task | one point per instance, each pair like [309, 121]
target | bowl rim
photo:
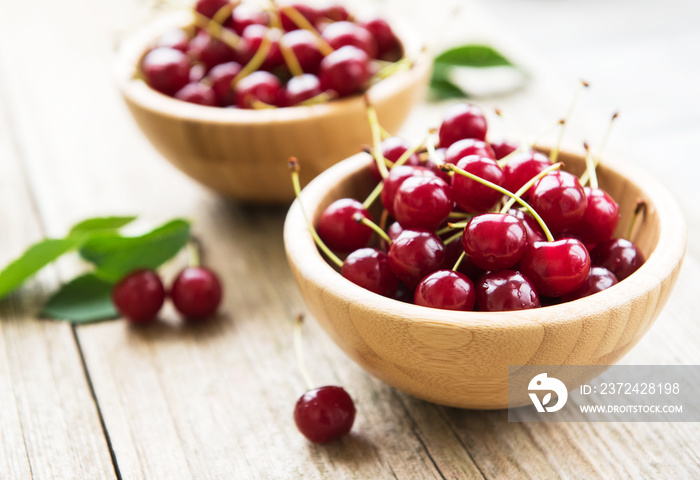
[304, 256]
[132, 48]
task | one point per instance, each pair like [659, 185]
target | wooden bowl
[243, 153]
[461, 359]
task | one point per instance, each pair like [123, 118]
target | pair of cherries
[244, 56]
[196, 293]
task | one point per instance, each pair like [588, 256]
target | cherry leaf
[100, 224]
[84, 299]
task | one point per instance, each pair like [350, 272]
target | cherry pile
[243, 56]
[468, 224]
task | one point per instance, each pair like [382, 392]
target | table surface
[214, 400]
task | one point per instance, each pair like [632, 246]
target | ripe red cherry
[422, 203]
[336, 13]
[139, 296]
[196, 292]
[324, 414]
[532, 228]
[369, 268]
[560, 200]
[494, 241]
[166, 70]
[415, 254]
[396, 177]
[341, 34]
[392, 149]
[301, 88]
[177, 39]
[618, 255]
[246, 14]
[221, 77]
[209, 51]
[309, 13]
[556, 268]
[462, 121]
[447, 290]
[345, 71]
[304, 46]
[384, 36]
[337, 228]
[505, 290]
[503, 148]
[598, 279]
[600, 218]
[521, 168]
[252, 38]
[208, 8]
[197, 93]
[470, 195]
[468, 146]
[259, 86]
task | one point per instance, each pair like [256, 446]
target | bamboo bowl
[461, 359]
[243, 154]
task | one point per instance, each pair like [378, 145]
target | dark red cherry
[466, 266]
[556, 268]
[220, 78]
[447, 290]
[618, 255]
[393, 232]
[177, 39]
[521, 168]
[336, 13]
[208, 8]
[337, 228]
[468, 146]
[415, 254]
[470, 195]
[384, 36]
[392, 149]
[505, 290]
[598, 279]
[369, 268]
[341, 34]
[532, 228]
[197, 93]
[196, 293]
[301, 88]
[503, 148]
[252, 38]
[600, 219]
[396, 177]
[462, 121]
[304, 46]
[209, 51]
[559, 199]
[259, 86]
[309, 13]
[422, 203]
[166, 70]
[494, 241]
[345, 71]
[246, 14]
[139, 296]
[324, 414]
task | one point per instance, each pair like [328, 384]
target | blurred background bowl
[243, 154]
[461, 359]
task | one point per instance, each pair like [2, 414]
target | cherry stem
[596, 159]
[217, 31]
[359, 218]
[639, 209]
[451, 226]
[299, 351]
[391, 68]
[257, 60]
[385, 133]
[545, 132]
[223, 13]
[513, 124]
[459, 261]
[554, 154]
[504, 161]
[300, 21]
[290, 59]
[294, 168]
[498, 188]
[323, 97]
[521, 191]
[590, 169]
[373, 195]
[453, 237]
[376, 139]
[194, 249]
[458, 215]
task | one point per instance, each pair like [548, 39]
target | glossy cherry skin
[259, 86]
[208, 8]
[196, 293]
[600, 219]
[369, 268]
[462, 121]
[304, 46]
[396, 177]
[468, 146]
[246, 14]
[340, 34]
[385, 38]
[139, 296]
[392, 149]
[560, 200]
[415, 254]
[446, 290]
[422, 203]
[209, 51]
[470, 195]
[598, 279]
[220, 78]
[505, 290]
[494, 241]
[503, 148]
[532, 228]
[301, 88]
[308, 12]
[197, 93]
[252, 38]
[521, 168]
[556, 268]
[618, 255]
[345, 71]
[166, 70]
[337, 228]
[324, 414]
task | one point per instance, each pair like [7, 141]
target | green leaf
[473, 55]
[114, 256]
[82, 300]
[99, 224]
[34, 259]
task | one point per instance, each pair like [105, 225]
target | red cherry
[209, 51]
[196, 292]
[324, 414]
[505, 290]
[345, 71]
[208, 8]
[197, 93]
[468, 146]
[258, 86]
[252, 38]
[422, 203]
[415, 254]
[166, 70]
[600, 218]
[139, 296]
[472, 196]
[556, 268]
[369, 268]
[384, 36]
[393, 181]
[301, 88]
[341, 34]
[309, 13]
[559, 199]
[462, 121]
[598, 279]
[503, 148]
[618, 255]
[447, 290]
[337, 228]
[177, 39]
[521, 168]
[494, 241]
[392, 149]
[246, 14]
[221, 77]
[532, 228]
[304, 46]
